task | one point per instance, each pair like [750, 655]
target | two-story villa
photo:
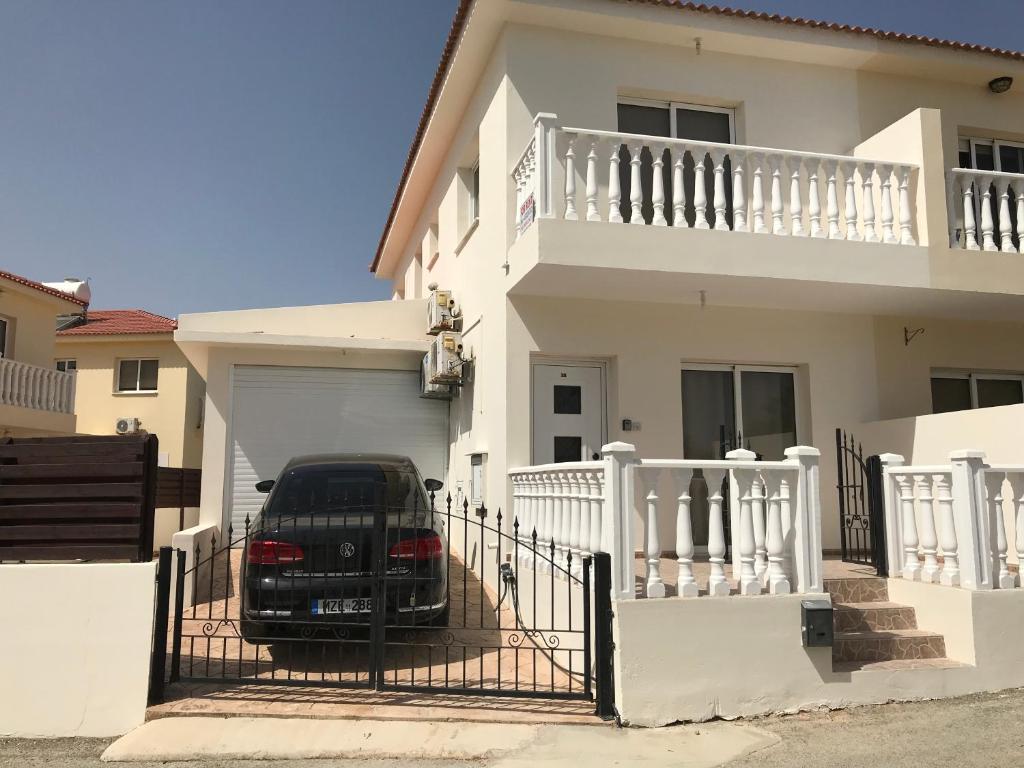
[664, 223]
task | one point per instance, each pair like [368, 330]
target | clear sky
[192, 155]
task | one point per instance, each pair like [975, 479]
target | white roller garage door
[279, 412]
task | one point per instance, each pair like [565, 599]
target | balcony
[600, 212]
[996, 200]
[36, 399]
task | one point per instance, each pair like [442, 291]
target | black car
[337, 533]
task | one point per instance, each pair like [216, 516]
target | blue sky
[192, 155]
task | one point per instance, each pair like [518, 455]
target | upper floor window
[964, 390]
[67, 365]
[991, 154]
[474, 193]
[137, 375]
[4, 331]
[680, 121]
[468, 202]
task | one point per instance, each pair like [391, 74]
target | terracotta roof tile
[460, 19]
[110, 322]
[40, 287]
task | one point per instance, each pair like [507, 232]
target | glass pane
[769, 413]
[568, 449]
[128, 376]
[701, 125]
[992, 392]
[147, 378]
[646, 121]
[950, 395]
[1011, 159]
[568, 399]
[985, 157]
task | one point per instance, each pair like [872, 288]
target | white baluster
[778, 583]
[684, 537]
[850, 212]
[950, 575]
[565, 538]
[813, 198]
[970, 223]
[595, 483]
[700, 194]
[1020, 215]
[832, 201]
[1005, 225]
[757, 507]
[911, 565]
[749, 584]
[757, 194]
[868, 185]
[658, 186]
[636, 192]
[572, 541]
[739, 194]
[678, 188]
[570, 179]
[614, 187]
[987, 220]
[544, 543]
[1017, 485]
[718, 585]
[718, 201]
[583, 538]
[929, 541]
[655, 587]
[994, 487]
[593, 214]
[885, 177]
[796, 210]
[778, 223]
[906, 212]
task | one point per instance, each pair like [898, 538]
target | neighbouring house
[681, 227]
[35, 399]
[132, 377]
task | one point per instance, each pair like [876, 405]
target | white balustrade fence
[566, 511]
[32, 386]
[742, 189]
[980, 206]
[948, 524]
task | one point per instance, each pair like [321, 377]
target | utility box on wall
[816, 618]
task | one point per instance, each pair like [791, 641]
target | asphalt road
[985, 730]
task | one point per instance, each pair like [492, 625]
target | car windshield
[306, 491]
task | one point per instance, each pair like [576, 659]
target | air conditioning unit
[128, 426]
[440, 312]
[428, 390]
[445, 359]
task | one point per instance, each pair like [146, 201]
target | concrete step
[871, 589]
[892, 665]
[898, 644]
[872, 617]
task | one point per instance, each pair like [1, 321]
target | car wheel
[441, 619]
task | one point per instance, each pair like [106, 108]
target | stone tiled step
[867, 590]
[872, 617]
[888, 645]
[896, 664]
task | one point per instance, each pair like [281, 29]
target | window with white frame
[67, 365]
[474, 192]
[986, 154]
[964, 390]
[137, 375]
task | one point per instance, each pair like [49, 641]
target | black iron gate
[477, 610]
[859, 485]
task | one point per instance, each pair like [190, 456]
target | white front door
[568, 412]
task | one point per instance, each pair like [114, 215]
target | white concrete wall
[166, 524]
[679, 659]
[75, 648]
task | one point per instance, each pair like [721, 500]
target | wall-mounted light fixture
[910, 334]
[1000, 84]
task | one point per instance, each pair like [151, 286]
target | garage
[278, 412]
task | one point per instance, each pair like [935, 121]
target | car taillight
[420, 548]
[274, 553]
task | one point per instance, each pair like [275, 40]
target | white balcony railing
[744, 189]
[988, 198]
[32, 386]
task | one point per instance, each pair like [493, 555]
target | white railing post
[687, 586]
[743, 481]
[807, 520]
[1017, 486]
[950, 575]
[893, 528]
[544, 126]
[617, 525]
[997, 522]
[654, 585]
[718, 585]
[972, 528]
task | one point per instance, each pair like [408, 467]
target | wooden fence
[77, 498]
[178, 488]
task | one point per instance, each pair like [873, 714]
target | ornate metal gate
[482, 611]
[859, 486]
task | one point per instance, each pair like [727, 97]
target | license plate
[339, 605]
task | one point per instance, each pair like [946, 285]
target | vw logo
[348, 549]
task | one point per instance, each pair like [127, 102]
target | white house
[851, 254]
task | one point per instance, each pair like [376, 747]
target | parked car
[340, 537]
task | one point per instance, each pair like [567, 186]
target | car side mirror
[433, 485]
[264, 486]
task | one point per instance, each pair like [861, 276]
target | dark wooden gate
[859, 485]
